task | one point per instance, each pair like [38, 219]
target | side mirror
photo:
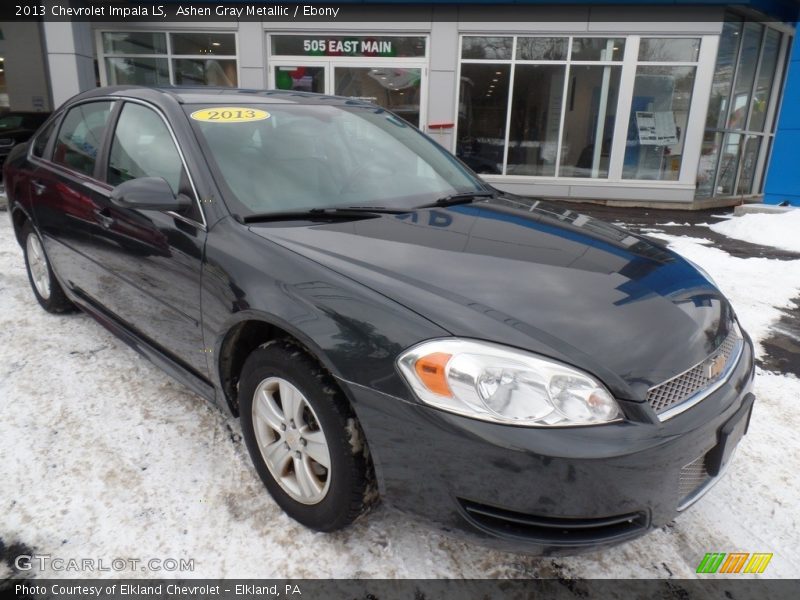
[148, 193]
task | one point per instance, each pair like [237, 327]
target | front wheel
[303, 438]
[45, 286]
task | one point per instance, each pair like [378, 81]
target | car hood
[534, 276]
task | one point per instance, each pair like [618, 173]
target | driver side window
[143, 147]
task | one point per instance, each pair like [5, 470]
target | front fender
[355, 332]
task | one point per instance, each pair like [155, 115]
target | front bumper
[546, 491]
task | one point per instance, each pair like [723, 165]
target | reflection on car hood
[534, 276]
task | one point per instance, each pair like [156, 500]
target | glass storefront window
[175, 58]
[482, 111]
[728, 164]
[487, 48]
[393, 88]
[658, 122]
[300, 78]
[203, 43]
[544, 137]
[766, 75]
[723, 74]
[745, 76]
[559, 117]
[747, 168]
[134, 42]
[589, 121]
[535, 119]
[542, 48]
[204, 71]
[137, 71]
[740, 120]
[707, 167]
[605, 49]
[669, 49]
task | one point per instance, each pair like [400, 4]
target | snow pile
[780, 230]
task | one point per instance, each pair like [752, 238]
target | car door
[65, 195]
[152, 260]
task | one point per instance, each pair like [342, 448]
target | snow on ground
[104, 456]
[781, 230]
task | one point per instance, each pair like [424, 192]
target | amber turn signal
[431, 370]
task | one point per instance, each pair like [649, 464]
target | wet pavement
[682, 222]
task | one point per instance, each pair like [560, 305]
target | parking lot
[105, 456]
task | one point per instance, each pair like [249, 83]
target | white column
[442, 84]
[70, 58]
[252, 54]
[695, 128]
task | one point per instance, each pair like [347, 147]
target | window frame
[169, 56]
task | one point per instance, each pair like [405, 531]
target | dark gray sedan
[386, 324]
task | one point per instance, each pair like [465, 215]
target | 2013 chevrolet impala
[385, 323]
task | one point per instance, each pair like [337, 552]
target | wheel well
[238, 344]
[18, 217]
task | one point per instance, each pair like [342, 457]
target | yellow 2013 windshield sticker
[229, 114]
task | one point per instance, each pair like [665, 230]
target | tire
[46, 288]
[322, 499]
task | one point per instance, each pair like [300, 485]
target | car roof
[218, 95]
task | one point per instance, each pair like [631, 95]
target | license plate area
[728, 437]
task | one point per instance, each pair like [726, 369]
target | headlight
[495, 383]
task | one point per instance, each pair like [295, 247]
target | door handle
[104, 217]
[38, 187]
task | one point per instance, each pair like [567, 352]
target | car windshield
[274, 158]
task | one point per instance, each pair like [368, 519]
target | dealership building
[659, 103]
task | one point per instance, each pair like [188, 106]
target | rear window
[80, 136]
[40, 143]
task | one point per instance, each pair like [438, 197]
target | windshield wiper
[460, 198]
[333, 212]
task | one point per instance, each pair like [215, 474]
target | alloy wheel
[291, 440]
[37, 263]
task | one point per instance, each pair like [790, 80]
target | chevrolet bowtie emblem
[713, 367]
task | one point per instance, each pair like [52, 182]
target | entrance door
[300, 76]
[394, 87]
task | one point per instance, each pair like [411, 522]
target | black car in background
[384, 322]
[18, 127]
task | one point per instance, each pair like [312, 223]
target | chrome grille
[693, 476]
[682, 387]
